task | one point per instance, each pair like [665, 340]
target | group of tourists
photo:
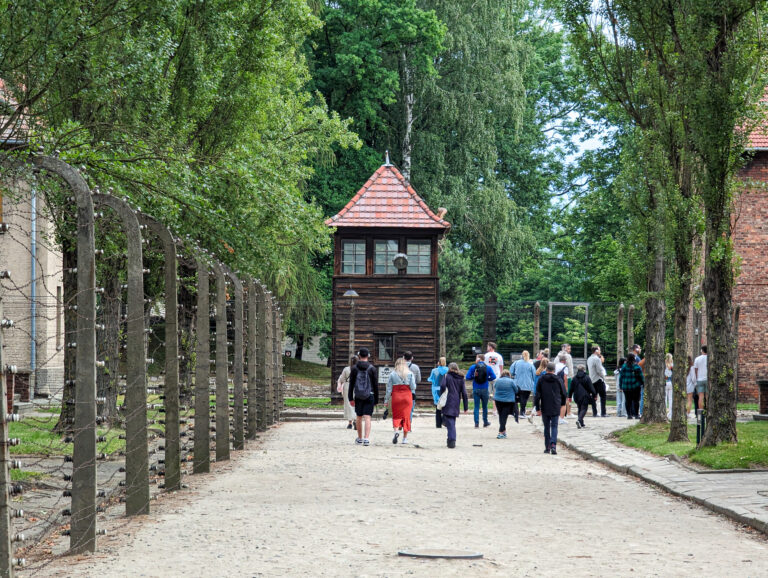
[555, 385]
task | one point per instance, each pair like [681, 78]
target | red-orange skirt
[402, 403]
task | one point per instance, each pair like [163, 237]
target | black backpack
[362, 385]
[561, 375]
[481, 373]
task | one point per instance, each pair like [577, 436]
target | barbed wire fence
[127, 427]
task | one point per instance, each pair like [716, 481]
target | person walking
[480, 375]
[496, 362]
[640, 362]
[550, 397]
[457, 391]
[342, 386]
[363, 394]
[416, 370]
[690, 388]
[524, 374]
[669, 362]
[700, 370]
[401, 387]
[583, 392]
[541, 369]
[621, 407]
[506, 404]
[631, 382]
[436, 379]
[597, 375]
[563, 373]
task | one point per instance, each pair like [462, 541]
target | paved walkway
[305, 500]
[742, 497]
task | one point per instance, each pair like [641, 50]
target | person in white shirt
[597, 375]
[496, 362]
[690, 388]
[700, 371]
[562, 366]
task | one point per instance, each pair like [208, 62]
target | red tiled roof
[387, 200]
[758, 138]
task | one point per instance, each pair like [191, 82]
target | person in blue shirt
[480, 374]
[504, 395]
[436, 378]
[525, 377]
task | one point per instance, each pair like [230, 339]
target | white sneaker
[562, 420]
[405, 441]
[366, 442]
[358, 441]
[530, 417]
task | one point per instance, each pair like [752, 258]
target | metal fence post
[202, 453]
[6, 552]
[237, 363]
[222, 366]
[252, 360]
[136, 447]
[83, 521]
[171, 386]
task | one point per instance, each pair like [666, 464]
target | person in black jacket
[583, 392]
[550, 397]
[363, 406]
[457, 392]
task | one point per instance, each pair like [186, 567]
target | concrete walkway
[743, 497]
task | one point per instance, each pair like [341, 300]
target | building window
[384, 252]
[353, 257]
[385, 346]
[419, 256]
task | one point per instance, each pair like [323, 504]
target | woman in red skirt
[401, 388]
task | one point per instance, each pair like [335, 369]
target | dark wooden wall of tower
[400, 304]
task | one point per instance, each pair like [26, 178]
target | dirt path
[310, 502]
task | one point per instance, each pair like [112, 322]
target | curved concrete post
[277, 361]
[280, 377]
[171, 386]
[202, 453]
[269, 360]
[253, 352]
[237, 362]
[222, 366]
[631, 326]
[83, 520]
[262, 368]
[136, 448]
[620, 332]
[536, 328]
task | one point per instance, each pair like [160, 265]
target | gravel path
[307, 501]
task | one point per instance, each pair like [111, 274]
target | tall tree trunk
[721, 340]
[678, 429]
[655, 334]
[489, 318]
[108, 344]
[409, 100]
[69, 257]
[299, 346]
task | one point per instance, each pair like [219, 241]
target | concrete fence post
[620, 332]
[6, 551]
[536, 329]
[252, 325]
[222, 366]
[83, 520]
[202, 453]
[171, 386]
[631, 326]
[237, 362]
[263, 355]
[269, 360]
[136, 445]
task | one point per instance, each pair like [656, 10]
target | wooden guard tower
[385, 251]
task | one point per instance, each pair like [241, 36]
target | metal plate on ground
[440, 553]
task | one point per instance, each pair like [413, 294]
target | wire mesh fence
[105, 366]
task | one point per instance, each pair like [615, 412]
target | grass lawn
[25, 476]
[298, 370]
[750, 452]
[37, 438]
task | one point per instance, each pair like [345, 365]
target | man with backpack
[363, 394]
[480, 374]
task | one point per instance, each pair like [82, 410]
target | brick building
[750, 237]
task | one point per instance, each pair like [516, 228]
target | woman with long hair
[631, 382]
[541, 369]
[401, 388]
[457, 391]
[342, 386]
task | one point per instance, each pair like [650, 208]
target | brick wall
[751, 292]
